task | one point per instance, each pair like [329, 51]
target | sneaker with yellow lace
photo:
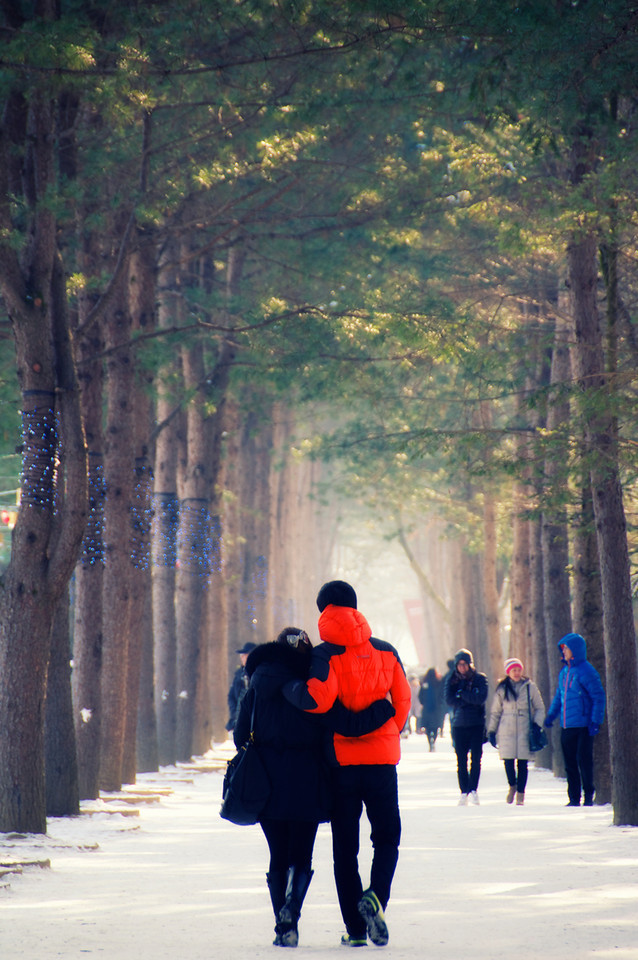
[370, 909]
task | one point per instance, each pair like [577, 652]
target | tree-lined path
[281, 283]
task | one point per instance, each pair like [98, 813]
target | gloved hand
[593, 729]
[492, 738]
[548, 723]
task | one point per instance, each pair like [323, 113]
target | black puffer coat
[294, 745]
[466, 695]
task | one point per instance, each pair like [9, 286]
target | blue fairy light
[194, 540]
[165, 508]
[39, 450]
[93, 542]
[141, 515]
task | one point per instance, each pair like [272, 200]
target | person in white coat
[515, 698]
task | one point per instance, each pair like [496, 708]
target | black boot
[277, 881]
[298, 883]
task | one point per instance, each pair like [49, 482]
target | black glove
[492, 738]
[350, 724]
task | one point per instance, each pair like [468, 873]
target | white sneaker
[473, 797]
[463, 800]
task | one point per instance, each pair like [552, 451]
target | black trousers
[578, 753]
[290, 842]
[468, 741]
[516, 773]
[375, 787]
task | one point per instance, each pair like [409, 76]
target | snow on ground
[172, 881]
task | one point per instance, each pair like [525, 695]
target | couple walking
[327, 722]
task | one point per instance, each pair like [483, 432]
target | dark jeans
[578, 753]
[468, 740]
[374, 786]
[516, 773]
[290, 842]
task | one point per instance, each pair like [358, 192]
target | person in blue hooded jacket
[580, 702]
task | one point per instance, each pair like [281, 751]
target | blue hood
[576, 644]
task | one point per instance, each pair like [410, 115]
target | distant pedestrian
[238, 685]
[580, 701]
[515, 698]
[465, 694]
[432, 706]
[415, 707]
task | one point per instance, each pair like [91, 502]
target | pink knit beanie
[512, 662]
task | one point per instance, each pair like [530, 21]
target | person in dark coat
[238, 685]
[297, 752]
[432, 705]
[466, 693]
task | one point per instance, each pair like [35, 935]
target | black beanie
[463, 654]
[337, 592]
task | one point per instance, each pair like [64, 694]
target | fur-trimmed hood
[271, 665]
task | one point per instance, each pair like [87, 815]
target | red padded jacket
[358, 669]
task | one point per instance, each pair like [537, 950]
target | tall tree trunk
[554, 531]
[147, 750]
[433, 646]
[48, 532]
[230, 575]
[119, 477]
[279, 560]
[142, 295]
[588, 621]
[494, 664]
[203, 723]
[87, 606]
[602, 456]
[519, 644]
[540, 657]
[170, 437]
[474, 632]
[165, 521]
[199, 506]
[193, 552]
[140, 605]
[218, 676]
[45, 546]
[61, 768]
[311, 529]
[254, 500]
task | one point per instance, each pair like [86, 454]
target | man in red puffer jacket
[354, 667]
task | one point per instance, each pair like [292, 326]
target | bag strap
[529, 706]
[251, 738]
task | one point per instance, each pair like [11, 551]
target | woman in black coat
[294, 748]
[431, 700]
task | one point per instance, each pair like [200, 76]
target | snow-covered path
[177, 883]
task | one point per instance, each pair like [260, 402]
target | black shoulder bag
[246, 786]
